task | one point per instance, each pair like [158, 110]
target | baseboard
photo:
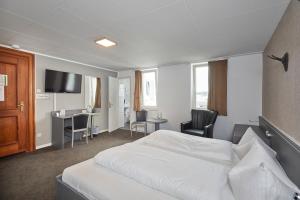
[105, 130]
[43, 146]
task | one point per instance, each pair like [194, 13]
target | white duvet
[174, 165]
[204, 148]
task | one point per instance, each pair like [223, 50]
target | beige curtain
[137, 91]
[217, 92]
[98, 94]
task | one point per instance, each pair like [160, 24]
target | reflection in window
[70, 86]
[149, 88]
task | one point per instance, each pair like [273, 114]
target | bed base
[66, 192]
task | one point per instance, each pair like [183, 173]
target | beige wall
[65, 101]
[281, 90]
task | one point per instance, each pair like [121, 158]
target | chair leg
[87, 137]
[131, 130]
[146, 129]
[72, 139]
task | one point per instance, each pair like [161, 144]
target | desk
[157, 122]
[60, 122]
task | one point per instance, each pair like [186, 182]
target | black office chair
[202, 123]
[79, 125]
[141, 120]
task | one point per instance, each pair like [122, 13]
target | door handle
[21, 106]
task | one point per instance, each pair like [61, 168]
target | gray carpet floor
[30, 176]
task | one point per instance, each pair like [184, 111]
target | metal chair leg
[72, 139]
[92, 125]
[87, 137]
[146, 129]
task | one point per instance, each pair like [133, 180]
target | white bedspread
[204, 148]
[99, 183]
[182, 175]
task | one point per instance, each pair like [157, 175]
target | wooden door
[16, 111]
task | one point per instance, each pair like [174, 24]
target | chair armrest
[185, 125]
[208, 130]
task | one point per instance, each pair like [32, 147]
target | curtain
[90, 90]
[98, 94]
[217, 92]
[137, 91]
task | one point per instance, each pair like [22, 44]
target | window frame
[194, 93]
[156, 87]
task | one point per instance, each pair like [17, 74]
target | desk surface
[70, 116]
[153, 120]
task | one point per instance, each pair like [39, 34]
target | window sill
[150, 108]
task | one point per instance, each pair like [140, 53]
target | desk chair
[141, 120]
[79, 125]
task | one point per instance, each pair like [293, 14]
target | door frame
[130, 96]
[30, 139]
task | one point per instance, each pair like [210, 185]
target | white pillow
[260, 184]
[246, 142]
[248, 136]
[259, 176]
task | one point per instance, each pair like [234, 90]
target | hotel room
[152, 100]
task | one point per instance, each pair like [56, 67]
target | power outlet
[39, 134]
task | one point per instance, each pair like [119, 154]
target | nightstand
[239, 130]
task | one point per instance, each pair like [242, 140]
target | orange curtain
[217, 92]
[137, 91]
[98, 94]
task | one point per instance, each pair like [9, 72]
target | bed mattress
[96, 182]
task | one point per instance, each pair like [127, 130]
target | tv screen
[62, 82]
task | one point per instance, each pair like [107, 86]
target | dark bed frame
[288, 154]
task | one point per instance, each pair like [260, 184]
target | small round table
[157, 122]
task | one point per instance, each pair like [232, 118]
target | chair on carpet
[79, 125]
[202, 123]
[141, 120]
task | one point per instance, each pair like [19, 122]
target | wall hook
[284, 60]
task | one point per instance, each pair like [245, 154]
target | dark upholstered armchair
[202, 123]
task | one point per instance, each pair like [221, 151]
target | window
[90, 90]
[200, 87]
[149, 88]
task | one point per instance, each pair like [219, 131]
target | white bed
[170, 165]
[198, 167]
[96, 182]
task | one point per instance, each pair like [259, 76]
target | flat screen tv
[62, 82]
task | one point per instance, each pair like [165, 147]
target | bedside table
[239, 130]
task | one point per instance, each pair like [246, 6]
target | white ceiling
[148, 32]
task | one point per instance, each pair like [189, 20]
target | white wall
[174, 94]
[244, 96]
[65, 101]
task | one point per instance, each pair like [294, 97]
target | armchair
[202, 123]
